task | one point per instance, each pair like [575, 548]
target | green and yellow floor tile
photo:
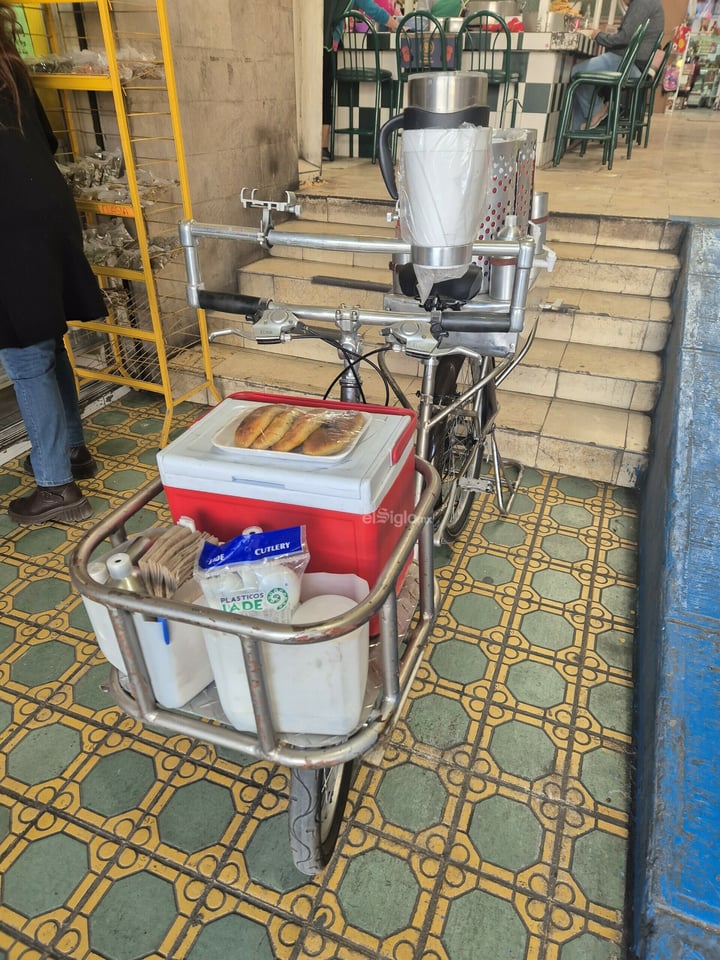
[495, 823]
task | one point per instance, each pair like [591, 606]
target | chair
[646, 105]
[483, 44]
[612, 83]
[630, 103]
[357, 62]
[420, 46]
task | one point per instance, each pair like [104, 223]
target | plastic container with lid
[123, 574]
[502, 269]
[174, 652]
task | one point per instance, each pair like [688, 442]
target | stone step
[278, 369]
[550, 433]
[290, 280]
[630, 232]
[604, 319]
[580, 439]
[567, 314]
[592, 264]
[634, 232]
[619, 270]
[585, 373]
[335, 210]
[581, 401]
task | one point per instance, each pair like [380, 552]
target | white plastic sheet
[442, 184]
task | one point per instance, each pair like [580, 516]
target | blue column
[676, 889]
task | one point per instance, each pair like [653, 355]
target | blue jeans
[45, 389]
[584, 93]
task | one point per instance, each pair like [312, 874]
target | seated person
[615, 44]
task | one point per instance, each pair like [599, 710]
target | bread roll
[334, 434]
[299, 430]
[254, 422]
[276, 428]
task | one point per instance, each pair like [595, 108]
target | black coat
[45, 279]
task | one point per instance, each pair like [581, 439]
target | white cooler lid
[355, 483]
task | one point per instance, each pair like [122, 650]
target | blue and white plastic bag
[256, 574]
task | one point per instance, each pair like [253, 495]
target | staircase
[581, 401]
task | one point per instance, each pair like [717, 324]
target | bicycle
[456, 418]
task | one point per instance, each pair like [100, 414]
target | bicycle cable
[348, 356]
[366, 358]
[390, 379]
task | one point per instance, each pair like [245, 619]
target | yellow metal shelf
[72, 81]
[141, 121]
[102, 326]
[102, 208]
[120, 273]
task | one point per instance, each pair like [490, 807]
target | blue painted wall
[676, 845]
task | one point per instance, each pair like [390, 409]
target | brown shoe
[51, 503]
[82, 464]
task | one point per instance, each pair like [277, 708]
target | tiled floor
[496, 824]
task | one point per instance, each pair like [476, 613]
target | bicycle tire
[456, 443]
[315, 813]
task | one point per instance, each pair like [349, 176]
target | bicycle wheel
[456, 442]
[316, 808]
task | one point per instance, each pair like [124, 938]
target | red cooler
[354, 505]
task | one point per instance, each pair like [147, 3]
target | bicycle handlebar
[452, 321]
[481, 317]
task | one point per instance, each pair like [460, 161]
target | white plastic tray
[224, 441]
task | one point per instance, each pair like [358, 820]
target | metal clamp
[288, 205]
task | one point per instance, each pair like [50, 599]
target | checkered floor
[496, 825]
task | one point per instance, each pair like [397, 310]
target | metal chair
[420, 45]
[358, 61]
[612, 83]
[646, 105]
[630, 102]
[484, 45]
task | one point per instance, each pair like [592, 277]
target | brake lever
[271, 326]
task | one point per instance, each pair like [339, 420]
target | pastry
[276, 428]
[253, 423]
[333, 435]
[299, 430]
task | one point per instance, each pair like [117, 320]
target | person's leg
[32, 371]
[68, 393]
[82, 462]
[584, 93]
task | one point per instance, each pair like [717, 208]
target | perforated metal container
[510, 191]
